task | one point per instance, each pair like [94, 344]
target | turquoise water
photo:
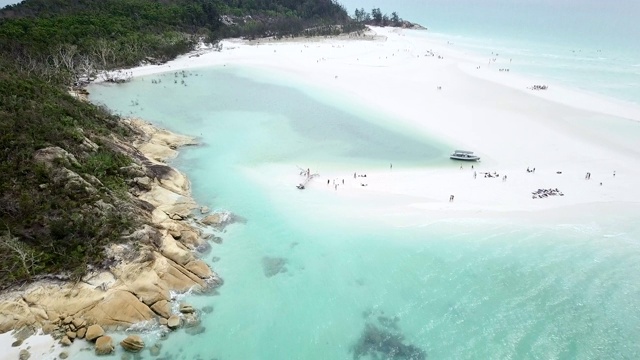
[309, 277]
[591, 45]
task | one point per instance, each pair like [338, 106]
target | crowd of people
[538, 194]
[543, 193]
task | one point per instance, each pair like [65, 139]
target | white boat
[464, 155]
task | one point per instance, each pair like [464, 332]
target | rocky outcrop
[162, 308]
[174, 322]
[78, 323]
[65, 341]
[55, 156]
[75, 184]
[191, 320]
[132, 343]
[120, 307]
[145, 267]
[94, 332]
[155, 349]
[220, 220]
[24, 355]
[104, 345]
[186, 309]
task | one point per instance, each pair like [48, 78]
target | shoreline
[207, 57]
[425, 191]
[404, 80]
[417, 196]
[138, 287]
[420, 84]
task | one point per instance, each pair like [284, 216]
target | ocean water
[591, 45]
[313, 276]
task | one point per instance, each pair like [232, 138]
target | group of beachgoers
[543, 193]
[491, 175]
[183, 74]
[308, 176]
[539, 87]
[336, 182]
[538, 194]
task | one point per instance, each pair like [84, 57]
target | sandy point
[428, 86]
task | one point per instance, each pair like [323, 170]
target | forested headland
[65, 185]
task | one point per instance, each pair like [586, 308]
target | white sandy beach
[561, 132]
[39, 346]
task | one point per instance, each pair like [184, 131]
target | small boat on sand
[464, 155]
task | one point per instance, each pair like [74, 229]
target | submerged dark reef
[382, 339]
[273, 265]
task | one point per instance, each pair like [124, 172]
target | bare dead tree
[85, 68]
[28, 64]
[67, 55]
[26, 256]
[103, 50]
[54, 61]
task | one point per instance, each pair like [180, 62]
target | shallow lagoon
[309, 277]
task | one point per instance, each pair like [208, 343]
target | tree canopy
[376, 17]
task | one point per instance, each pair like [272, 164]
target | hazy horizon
[4, 3]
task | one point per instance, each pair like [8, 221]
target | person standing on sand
[474, 174]
[390, 166]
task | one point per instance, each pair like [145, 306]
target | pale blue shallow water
[454, 289]
[363, 287]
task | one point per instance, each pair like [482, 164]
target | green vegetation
[50, 221]
[377, 18]
[75, 38]
[64, 179]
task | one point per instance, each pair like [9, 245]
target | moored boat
[464, 155]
